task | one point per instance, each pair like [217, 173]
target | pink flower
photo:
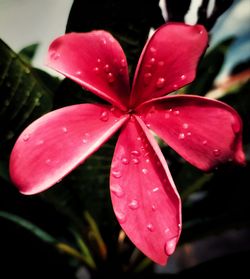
[145, 200]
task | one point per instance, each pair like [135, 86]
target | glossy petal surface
[169, 61]
[59, 141]
[203, 131]
[143, 193]
[96, 61]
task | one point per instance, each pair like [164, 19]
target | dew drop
[148, 125]
[139, 138]
[152, 50]
[104, 116]
[181, 136]
[133, 204]
[167, 115]
[48, 161]
[156, 189]
[136, 161]
[201, 32]
[121, 217]
[147, 77]
[84, 140]
[150, 227]
[183, 77]
[189, 133]
[154, 207]
[40, 142]
[147, 161]
[78, 73]
[160, 82]
[175, 86]
[235, 126]
[204, 142]
[176, 112]
[152, 61]
[99, 60]
[116, 174]
[145, 171]
[96, 70]
[117, 190]
[185, 126]
[104, 41]
[106, 68]
[111, 78]
[170, 246]
[135, 153]
[216, 152]
[179, 225]
[167, 230]
[161, 63]
[123, 63]
[64, 129]
[26, 137]
[125, 161]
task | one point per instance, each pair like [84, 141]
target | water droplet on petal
[26, 137]
[104, 116]
[48, 161]
[160, 82]
[148, 125]
[78, 73]
[116, 173]
[96, 70]
[145, 171]
[104, 41]
[64, 129]
[175, 86]
[189, 133]
[106, 68]
[111, 78]
[152, 61]
[121, 217]
[183, 77]
[185, 126]
[201, 32]
[216, 152]
[181, 136]
[161, 63]
[136, 161]
[170, 246]
[152, 50]
[150, 227]
[123, 63]
[99, 60]
[133, 204]
[204, 142]
[147, 78]
[147, 161]
[154, 207]
[167, 230]
[139, 138]
[156, 189]
[236, 126]
[176, 112]
[125, 161]
[166, 115]
[40, 142]
[117, 190]
[135, 153]
[179, 225]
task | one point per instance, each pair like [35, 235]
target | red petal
[58, 142]
[144, 197]
[96, 61]
[204, 131]
[168, 61]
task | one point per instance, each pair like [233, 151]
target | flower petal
[58, 142]
[96, 61]
[203, 131]
[168, 61]
[144, 197]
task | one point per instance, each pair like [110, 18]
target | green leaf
[23, 97]
[28, 53]
[208, 69]
[29, 226]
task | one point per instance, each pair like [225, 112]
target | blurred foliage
[75, 217]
